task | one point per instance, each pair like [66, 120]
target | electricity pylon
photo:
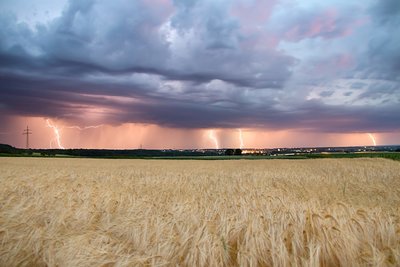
[27, 132]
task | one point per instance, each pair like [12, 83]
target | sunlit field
[87, 212]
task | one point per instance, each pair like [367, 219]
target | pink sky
[132, 136]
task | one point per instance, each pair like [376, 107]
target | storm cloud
[330, 67]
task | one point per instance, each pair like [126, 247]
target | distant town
[302, 150]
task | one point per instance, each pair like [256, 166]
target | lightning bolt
[372, 138]
[213, 138]
[85, 127]
[56, 134]
[241, 138]
[57, 131]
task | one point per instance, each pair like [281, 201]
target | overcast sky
[311, 66]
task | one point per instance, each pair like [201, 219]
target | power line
[27, 132]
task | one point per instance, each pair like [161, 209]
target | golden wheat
[86, 212]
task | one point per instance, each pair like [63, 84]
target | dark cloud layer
[332, 67]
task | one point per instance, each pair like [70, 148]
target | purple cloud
[199, 64]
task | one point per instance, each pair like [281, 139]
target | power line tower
[27, 132]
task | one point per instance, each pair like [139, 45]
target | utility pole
[27, 132]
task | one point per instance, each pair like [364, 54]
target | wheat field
[88, 212]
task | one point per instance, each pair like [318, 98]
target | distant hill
[292, 153]
[7, 149]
